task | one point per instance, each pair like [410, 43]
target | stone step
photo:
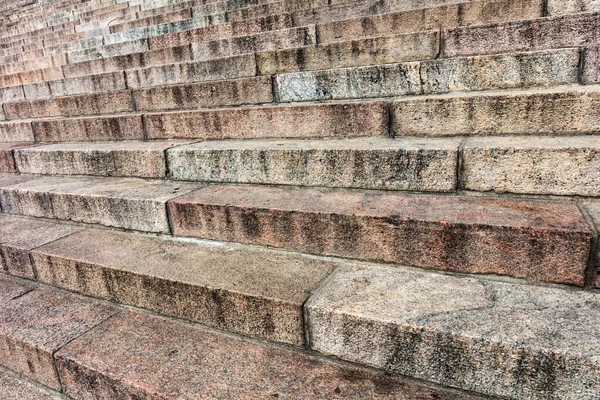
[433, 18]
[16, 132]
[274, 8]
[530, 165]
[332, 119]
[15, 387]
[113, 81]
[19, 235]
[365, 163]
[110, 50]
[562, 7]
[35, 323]
[7, 163]
[38, 75]
[95, 128]
[237, 288]
[534, 239]
[517, 70]
[117, 355]
[497, 338]
[557, 111]
[125, 159]
[128, 203]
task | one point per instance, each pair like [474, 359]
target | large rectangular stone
[533, 165]
[97, 103]
[563, 7]
[197, 71]
[208, 94]
[362, 82]
[152, 20]
[18, 236]
[540, 240]
[74, 86]
[14, 93]
[16, 132]
[433, 18]
[537, 34]
[11, 288]
[34, 326]
[287, 121]
[38, 75]
[520, 70]
[367, 163]
[15, 387]
[96, 128]
[264, 41]
[120, 202]
[491, 337]
[9, 178]
[110, 50]
[382, 50]
[121, 357]
[276, 8]
[232, 287]
[127, 159]
[7, 163]
[562, 111]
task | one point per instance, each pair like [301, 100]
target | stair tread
[14, 387]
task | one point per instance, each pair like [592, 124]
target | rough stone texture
[74, 86]
[7, 163]
[110, 50]
[34, 326]
[496, 338]
[198, 71]
[11, 288]
[135, 60]
[99, 103]
[16, 132]
[118, 127]
[38, 75]
[366, 163]
[120, 358]
[540, 240]
[308, 120]
[562, 7]
[469, 13]
[120, 202]
[127, 159]
[208, 94]
[383, 50]
[269, 9]
[14, 93]
[7, 179]
[18, 236]
[521, 70]
[14, 387]
[236, 288]
[562, 111]
[265, 41]
[222, 31]
[362, 82]
[590, 70]
[533, 165]
[536, 34]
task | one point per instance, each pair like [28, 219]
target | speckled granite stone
[7, 179]
[237, 288]
[139, 356]
[34, 326]
[19, 235]
[492, 337]
[11, 288]
[14, 387]
[540, 240]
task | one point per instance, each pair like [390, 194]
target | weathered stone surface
[152, 20]
[197, 71]
[520, 70]
[264, 41]
[222, 31]
[270, 9]
[169, 55]
[14, 93]
[120, 202]
[540, 240]
[593, 210]
[97, 103]
[16, 132]
[590, 70]
[382, 50]
[34, 326]
[208, 94]
[237, 288]
[18, 236]
[541, 165]
[308, 120]
[434, 18]
[366, 163]
[127, 159]
[536, 34]
[7, 163]
[561, 111]
[120, 357]
[117, 127]
[562, 7]
[7, 178]
[14, 387]
[38, 75]
[110, 50]
[361, 82]
[74, 86]
[492, 337]
[11, 288]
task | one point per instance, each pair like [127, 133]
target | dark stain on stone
[250, 223]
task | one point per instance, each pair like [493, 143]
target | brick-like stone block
[96, 128]
[16, 132]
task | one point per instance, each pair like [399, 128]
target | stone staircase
[299, 199]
